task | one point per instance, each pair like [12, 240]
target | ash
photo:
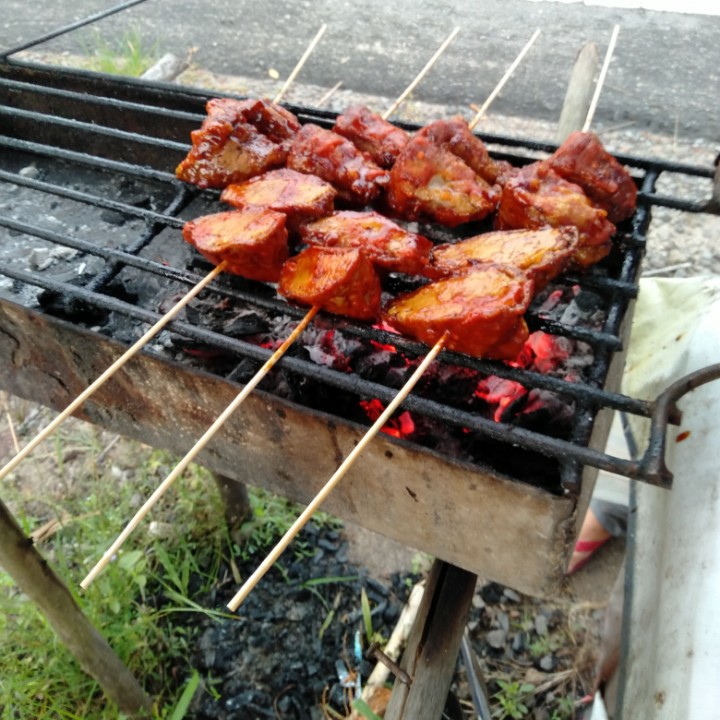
[279, 657]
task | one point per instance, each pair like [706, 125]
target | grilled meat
[333, 158]
[455, 135]
[541, 254]
[385, 243]
[300, 196]
[537, 196]
[372, 134]
[430, 182]
[253, 242]
[583, 160]
[237, 140]
[340, 280]
[482, 311]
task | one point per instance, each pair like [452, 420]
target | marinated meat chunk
[340, 280]
[336, 160]
[372, 134]
[384, 242]
[583, 160]
[300, 196]
[253, 242]
[430, 182]
[537, 196]
[237, 140]
[455, 135]
[541, 254]
[482, 311]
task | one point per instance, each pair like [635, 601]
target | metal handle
[652, 467]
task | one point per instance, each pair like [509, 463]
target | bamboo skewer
[503, 80]
[213, 429]
[601, 78]
[329, 93]
[421, 75]
[309, 511]
[301, 62]
[199, 445]
[127, 355]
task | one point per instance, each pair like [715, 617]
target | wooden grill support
[25, 565]
[433, 646]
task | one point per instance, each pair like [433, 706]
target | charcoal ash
[279, 656]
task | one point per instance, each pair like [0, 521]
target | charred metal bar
[69, 28]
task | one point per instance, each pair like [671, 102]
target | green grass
[129, 54]
[38, 677]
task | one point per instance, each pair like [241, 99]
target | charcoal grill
[91, 231]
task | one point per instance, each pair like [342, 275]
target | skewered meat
[238, 140]
[333, 158]
[537, 196]
[482, 311]
[372, 134]
[583, 160]
[384, 242]
[300, 196]
[253, 241]
[430, 182]
[455, 135]
[340, 280]
[541, 254]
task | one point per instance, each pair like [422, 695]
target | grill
[92, 251]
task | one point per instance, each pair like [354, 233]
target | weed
[128, 54]
[545, 645]
[512, 697]
[565, 709]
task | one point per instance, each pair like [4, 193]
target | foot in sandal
[592, 537]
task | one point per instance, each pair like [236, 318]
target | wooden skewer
[503, 80]
[329, 93]
[301, 62]
[199, 445]
[303, 518]
[601, 78]
[11, 426]
[421, 75]
[129, 353]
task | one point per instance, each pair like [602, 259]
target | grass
[129, 54]
[137, 601]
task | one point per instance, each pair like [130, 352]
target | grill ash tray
[487, 466]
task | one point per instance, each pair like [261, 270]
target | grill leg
[235, 498]
[433, 646]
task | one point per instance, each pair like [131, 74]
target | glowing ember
[401, 426]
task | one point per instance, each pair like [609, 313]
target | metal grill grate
[120, 130]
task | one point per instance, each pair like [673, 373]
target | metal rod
[350, 383]
[69, 28]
